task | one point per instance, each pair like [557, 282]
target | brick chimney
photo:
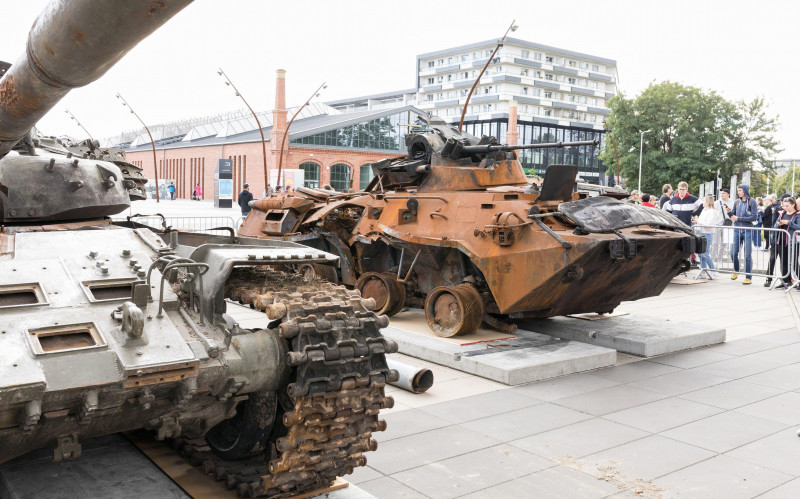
[278, 124]
[512, 135]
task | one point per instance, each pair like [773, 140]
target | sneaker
[768, 283]
[747, 281]
[780, 285]
[734, 277]
[715, 275]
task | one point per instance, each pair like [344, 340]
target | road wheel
[388, 294]
[452, 311]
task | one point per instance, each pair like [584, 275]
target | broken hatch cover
[605, 214]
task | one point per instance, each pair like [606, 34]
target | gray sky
[741, 49]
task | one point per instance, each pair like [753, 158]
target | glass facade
[535, 161]
[311, 176]
[340, 177]
[381, 134]
[365, 176]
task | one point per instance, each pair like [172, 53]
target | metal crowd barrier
[793, 252]
[722, 245]
[194, 224]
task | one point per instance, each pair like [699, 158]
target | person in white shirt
[708, 218]
[725, 236]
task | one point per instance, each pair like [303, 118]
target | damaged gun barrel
[71, 44]
[546, 145]
[413, 378]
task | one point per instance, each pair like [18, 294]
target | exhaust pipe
[413, 378]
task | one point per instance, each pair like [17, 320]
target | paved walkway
[719, 421]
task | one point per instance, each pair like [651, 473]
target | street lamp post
[513, 27]
[72, 117]
[152, 142]
[286, 133]
[260, 128]
[641, 145]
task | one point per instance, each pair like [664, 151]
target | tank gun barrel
[506, 147]
[72, 43]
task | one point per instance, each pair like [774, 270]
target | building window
[364, 176]
[584, 65]
[440, 79]
[560, 78]
[430, 64]
[571, 81]
[549, 59]
[379, 134]
[464, 92]
[440, 96]
[524, 72]
[526, 54]
[466, 74]
[440, 62]
[487, 108]
[449, 77]
[548, 76]
[525, 90]
[430, 81]
[487, 90]
[548, 112]
[537, 56]
[464, 57]
[429, 97]
[340, 177]
[537, 92]
[548, 94]
[595, 67]
[449, 60]
[311, 174]
[488, 53]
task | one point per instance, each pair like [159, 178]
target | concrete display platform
[633, 334]
[525, 358]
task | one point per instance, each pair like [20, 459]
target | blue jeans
[743, 237]
[705, 258]
[757, 237]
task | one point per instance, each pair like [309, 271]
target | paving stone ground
[718, 421]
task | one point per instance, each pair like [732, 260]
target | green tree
[693, 134]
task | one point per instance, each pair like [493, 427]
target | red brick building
[329, 146]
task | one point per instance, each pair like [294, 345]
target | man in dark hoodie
[743, 214]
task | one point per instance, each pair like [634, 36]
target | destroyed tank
[108, 327]
[454, 227]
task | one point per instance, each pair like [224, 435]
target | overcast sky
[739, 48]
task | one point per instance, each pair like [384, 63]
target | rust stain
[80, 35]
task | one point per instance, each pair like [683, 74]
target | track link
[339, 372]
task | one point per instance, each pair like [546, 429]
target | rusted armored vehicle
[456, 228]
[109, 327]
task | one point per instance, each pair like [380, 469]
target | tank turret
[71, 44]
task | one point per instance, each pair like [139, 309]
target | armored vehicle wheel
[247, 433]
[400, 289]
[451, 311]
[309, 271]
[388, 294]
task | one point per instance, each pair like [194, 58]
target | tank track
[337, 356]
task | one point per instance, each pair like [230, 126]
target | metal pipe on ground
[413, 378]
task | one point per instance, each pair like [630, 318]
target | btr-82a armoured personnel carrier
[456, 228]
[109, 327]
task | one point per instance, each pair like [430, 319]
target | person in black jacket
[788, 219]
[244, 199]
[666, 194]
[772, 204]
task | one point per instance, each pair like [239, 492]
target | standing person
[683, 205]
[634, 199]
[666, 194]
[244, 199]
[646, 201]
[708, 218]
[743, 214]
[724, 205]
[198, 193]
[771, 203]
[774, 251]
[758, 222]
[788, 218]
[171, 190]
